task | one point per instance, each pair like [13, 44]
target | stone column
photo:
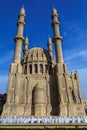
[43, 68]
[28, 71]
[80, 94]
[73, 86]
[38, 68]
[17, 90]
[67, 88]
[28, 103]
[33, 70]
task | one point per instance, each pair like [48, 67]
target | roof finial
[54, 11]
[22, 11]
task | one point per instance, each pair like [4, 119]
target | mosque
[38, 85]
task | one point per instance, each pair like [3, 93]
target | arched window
[73, 96]
[41, 68]
[46, 68]
[50, 69]
[33, 107]
[33, 91]
[36, 68]
[30, 68]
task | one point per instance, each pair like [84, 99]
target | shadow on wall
[2, 101]
[54, 98]
[86, 111]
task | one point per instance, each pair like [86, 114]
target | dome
[37, 61]
[37, 54]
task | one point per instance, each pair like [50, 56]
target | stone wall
[85, 105]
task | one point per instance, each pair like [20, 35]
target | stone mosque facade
[38, 85]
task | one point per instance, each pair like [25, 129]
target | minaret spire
[50, 46]
[26, 46]
[19, 39]
[57, 39]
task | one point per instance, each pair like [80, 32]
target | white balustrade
[43, 120]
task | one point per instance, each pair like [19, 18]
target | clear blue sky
[73, 19]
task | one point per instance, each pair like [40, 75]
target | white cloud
[4, 65]
[75, 37]
[81, 54]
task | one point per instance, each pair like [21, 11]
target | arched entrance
[38, 101]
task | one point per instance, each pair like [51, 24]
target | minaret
[50, 46]
[26, 46]
[57, 39]
[19, 39]
[60, 66]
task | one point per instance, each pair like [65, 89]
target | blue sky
[73, 19]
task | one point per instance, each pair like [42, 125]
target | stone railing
[43, 120]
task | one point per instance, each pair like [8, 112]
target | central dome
[37, 54]
[37, 61]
